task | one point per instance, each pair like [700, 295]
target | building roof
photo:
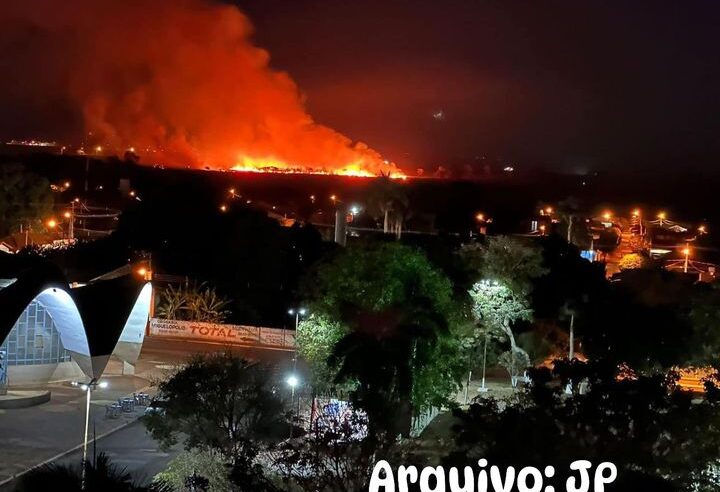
[93, 320]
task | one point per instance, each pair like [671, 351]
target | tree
[209, 464]
[101, 476]
[505, 268]
[25, 198]
[223, 403]
[497, 308]
[315, 338]
[659, 438]
[387, 200]
[194, 303]
[397, 310]
[511, 261]
[330, 458]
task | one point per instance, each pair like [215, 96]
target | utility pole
[572, 336]
[71, 225]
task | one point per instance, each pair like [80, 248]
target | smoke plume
[179, 81]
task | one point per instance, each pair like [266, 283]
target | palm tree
[387, 199]
[172, 301]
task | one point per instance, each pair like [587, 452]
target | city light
[661, 215]
[142, 271]
[355, 210]
[292, 381]
[702, 229]
[686, 251]
[548, 210]
[223, 208]
[636, 212]
[52, 223]
[67, 215]
[480, 217]
[333, 197]
[607, 215]
[67, 184]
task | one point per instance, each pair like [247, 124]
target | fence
[220, 333]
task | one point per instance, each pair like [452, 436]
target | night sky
[576, 85]
[573, 85]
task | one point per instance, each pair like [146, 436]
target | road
[33, 435]
[131, 448]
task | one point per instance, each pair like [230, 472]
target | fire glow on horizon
[356, 169]
[190, 86]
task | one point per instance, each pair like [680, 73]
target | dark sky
[576, 84]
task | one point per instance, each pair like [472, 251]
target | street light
[88, 388]
[607, 215]
[293, 381]
[686, 252]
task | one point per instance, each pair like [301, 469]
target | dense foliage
[396, 309]
[25, 198]
[657, 435]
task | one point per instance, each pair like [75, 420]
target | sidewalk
[30, 436]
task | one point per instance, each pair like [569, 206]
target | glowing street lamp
[607, 215]
[542, 230]
[661, 216]
[702, 229]
[292, 381]
[480, 217]
[52, 223]
[223, 208]
[88, 388]
[686, 252]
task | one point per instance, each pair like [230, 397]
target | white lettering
[438, 473]
[600, 479]
[582, 466]
[405, 476]
[537, 479]
[482, 484]
[497, 481]
[468, 484]
[388, 481]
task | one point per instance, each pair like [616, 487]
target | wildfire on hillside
[181, 77]
[354, 169]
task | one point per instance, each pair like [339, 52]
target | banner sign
[230, 334]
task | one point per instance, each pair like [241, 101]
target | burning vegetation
[179, 81]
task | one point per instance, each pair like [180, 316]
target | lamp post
[88, 389]
[293, 381]
[686, 252]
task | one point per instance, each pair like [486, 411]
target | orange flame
[272, 165]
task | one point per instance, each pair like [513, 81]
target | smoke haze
[180, 81]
